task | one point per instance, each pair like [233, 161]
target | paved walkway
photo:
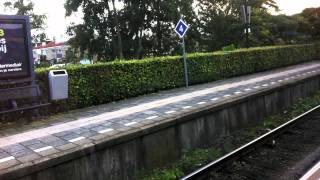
[77, 128]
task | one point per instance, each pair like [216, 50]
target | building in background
[52, 52]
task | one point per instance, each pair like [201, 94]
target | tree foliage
[309, 22]
[25, 8]
[117, 29]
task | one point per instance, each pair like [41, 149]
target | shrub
[231, 47]
[106, 82]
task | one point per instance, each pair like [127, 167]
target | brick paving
[21, 145]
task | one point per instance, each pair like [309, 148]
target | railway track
[271, 156]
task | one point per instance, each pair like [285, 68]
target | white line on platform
[200, 103]
[7, 159]
[286, 79]
[227, 95]
[248, 89]
[265, 85]
[214, 99]
[43, 149]
[280, 80]
[105, 131]
[238, 92]
[170, 112]
[76, 139]
[272, 83]
[314, 71]
[131, 123]
[257, 87]
[152, 117]
[187, 107]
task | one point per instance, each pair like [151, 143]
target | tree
[309, 22]
[137, 28]
[25, 8]
[97, 35]
[221, 24]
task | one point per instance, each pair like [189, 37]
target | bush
[231, 47]
[43, 64]
[106, 82]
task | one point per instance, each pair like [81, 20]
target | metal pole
[247, 36]
[247, 24]
[185, 63]
[184, 55]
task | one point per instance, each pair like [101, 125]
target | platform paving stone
[82, 142]
[48, 152]
[29, 158]
[17, 150]
[85, 127]
[70, 136]
[66, 147]
[31, 142]
[3, 154]
[88, 134]
[36, 146]
[9, 164]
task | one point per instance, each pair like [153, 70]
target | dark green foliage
[309, 22]
[43, 65]
[106, 82]
[231, 47]
[189, 162]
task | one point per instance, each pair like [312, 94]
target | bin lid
[61, 72]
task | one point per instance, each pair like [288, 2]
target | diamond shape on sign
[181, 28]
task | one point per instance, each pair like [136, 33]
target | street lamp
[246, 11]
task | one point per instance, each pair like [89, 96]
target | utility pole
[246, 10]
[247, 24]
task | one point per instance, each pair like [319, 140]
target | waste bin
[58, 84]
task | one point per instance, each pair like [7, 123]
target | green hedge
[102, 83]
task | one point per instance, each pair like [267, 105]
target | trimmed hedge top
[106, 82]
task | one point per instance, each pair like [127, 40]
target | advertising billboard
[15, 48]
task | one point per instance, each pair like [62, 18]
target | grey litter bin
[58, 84]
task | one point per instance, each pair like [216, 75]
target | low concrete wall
[158, 145]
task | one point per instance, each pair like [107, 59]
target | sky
[57, 23]
[290, 7]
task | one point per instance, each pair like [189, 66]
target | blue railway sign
[181, 28]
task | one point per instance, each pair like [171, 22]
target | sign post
[181, 29]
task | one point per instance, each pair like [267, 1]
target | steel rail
[246, 148]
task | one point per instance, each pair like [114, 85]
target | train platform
[39, 141]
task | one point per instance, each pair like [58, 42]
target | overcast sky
[291, 7]
[57, 23]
